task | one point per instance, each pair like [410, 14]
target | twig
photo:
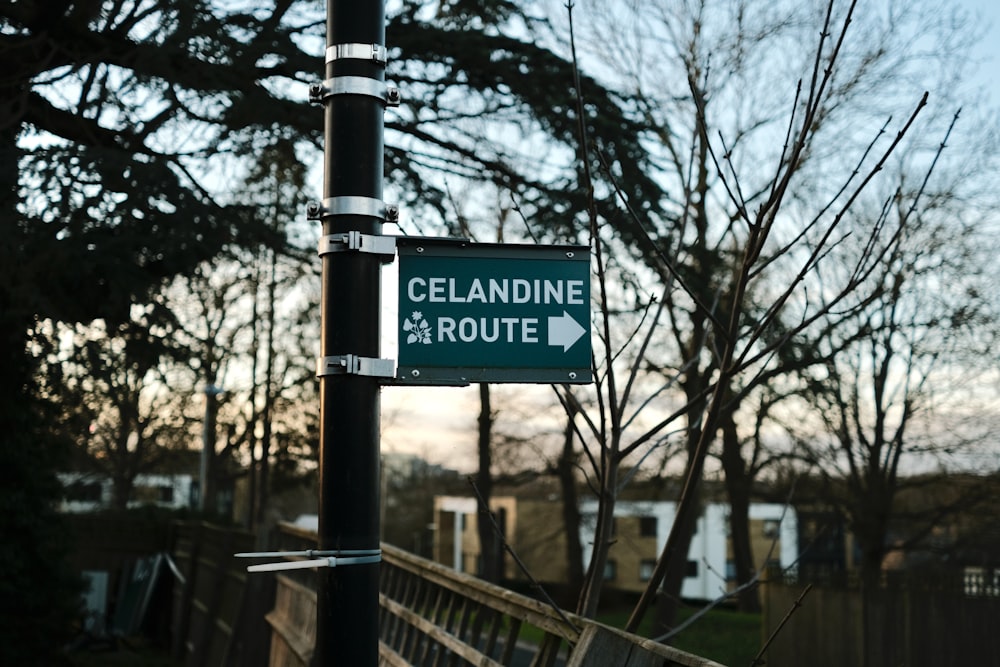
[520, 564]
[707, 608]
[759, 658]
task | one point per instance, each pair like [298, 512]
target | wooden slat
[300, 645]
[389, 658]
[534, 612]
[433, 616]
[549, 651]
[511, 642]
[445, 639]
[293, 622]
[496, 622]
[447, 611]
[468, 609]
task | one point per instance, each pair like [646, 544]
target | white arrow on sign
[564, 331]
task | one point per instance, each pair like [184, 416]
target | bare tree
[118, 386]
[896, 400]
[739, 247]
[214, 314]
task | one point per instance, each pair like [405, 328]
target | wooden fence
[913, 620]
[219, 616]
[431, 615]
[115, 550]
[217, 612]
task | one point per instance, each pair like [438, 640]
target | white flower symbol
[419, 329]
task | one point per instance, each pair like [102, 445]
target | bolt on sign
[493, 313]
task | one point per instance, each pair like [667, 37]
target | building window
[647, 526]
[88, 492]
[610, 570]
[771, 528]
[166, 494]
[646, 568]
[691, 569]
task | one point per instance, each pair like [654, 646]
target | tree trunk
[121, 488]
[252, 504]
[669, 598]
[738, 483]
[209, 469]
[604, 535]
[489, 542]
[566, 473]
[264, 483]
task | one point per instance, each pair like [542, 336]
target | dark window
[87, 492]
[166, 494]
[691, 570]
[646, 568]
[647, 526]
[610, 570]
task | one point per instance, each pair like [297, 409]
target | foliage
[489, 106]
[125, 125]
[723, 635]
[38, 592]
[119, 396]
[109, 111]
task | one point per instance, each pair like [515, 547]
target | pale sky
[439, 423]
[990, 46]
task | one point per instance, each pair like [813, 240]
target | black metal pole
[347, 609]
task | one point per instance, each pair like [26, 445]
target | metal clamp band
[352, 205]
[355, 241]
[354, 85]
[352, 364]
[376, 52]
[326, 559]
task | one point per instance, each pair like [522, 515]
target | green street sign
[486, 312]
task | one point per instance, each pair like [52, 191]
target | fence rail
[433, 616]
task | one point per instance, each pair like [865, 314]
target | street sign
[486, 312]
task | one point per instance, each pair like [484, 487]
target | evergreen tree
[119, 125]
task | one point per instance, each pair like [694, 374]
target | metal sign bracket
[354, 85]
[352, 205]
[355, 241]
[375, 52]
[352, 364]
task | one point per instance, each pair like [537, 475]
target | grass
[134, 653]
[725, 636]
[729, 637]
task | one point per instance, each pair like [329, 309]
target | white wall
[181, 485]
[708, 544]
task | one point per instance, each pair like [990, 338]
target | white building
[709, 565]
[88, 492]
[533, 526]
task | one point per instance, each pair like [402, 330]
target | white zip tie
[326, 559]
